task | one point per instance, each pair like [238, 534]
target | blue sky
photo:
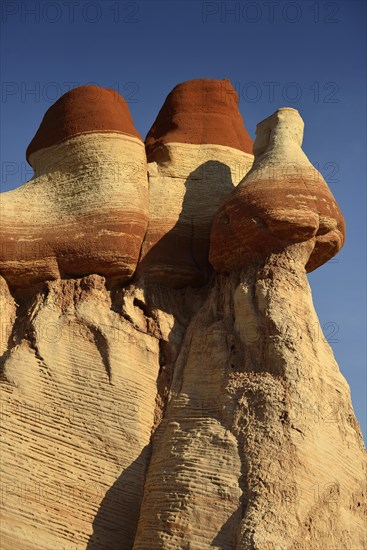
[308, 55]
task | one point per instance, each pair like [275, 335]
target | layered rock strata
[282, 200]
[83, 385]
[85, 210]
[259, 447]
[140, 416]
[198, 150]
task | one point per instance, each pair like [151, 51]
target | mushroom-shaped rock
[198, 149]
[282, 200]
[85, 210]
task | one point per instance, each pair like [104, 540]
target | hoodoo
[189, 404]
[85, 210]
[282, 200]
[259, 447]
[198, 149]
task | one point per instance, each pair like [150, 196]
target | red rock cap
[83, 110]
[200, 111]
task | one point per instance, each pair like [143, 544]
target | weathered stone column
[299, 439]
[151, 403]
[259, 447]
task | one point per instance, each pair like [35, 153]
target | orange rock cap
[202, 111]
[83, 110]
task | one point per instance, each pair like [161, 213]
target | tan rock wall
[186, 186]
[259, 447]
[78, 398]
[147, 401]
[84, 212]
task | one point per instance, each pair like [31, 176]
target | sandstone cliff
[163, 383]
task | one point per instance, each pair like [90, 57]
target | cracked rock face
[152, 400]
[78, 397]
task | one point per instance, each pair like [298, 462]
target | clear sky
[309, 55]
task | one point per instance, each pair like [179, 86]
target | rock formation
[198, 149]
[283, 200]
[85, 210]
[164, 384]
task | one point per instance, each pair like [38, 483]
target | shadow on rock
[180, 257]
[115, 523]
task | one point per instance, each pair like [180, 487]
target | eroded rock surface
[152, 400]
[85, 210]
[283, 199]
[198, 150]
[259, 447]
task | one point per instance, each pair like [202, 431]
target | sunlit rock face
[259, 415]
[282, 200]
[199, 112]
[198, 150]
[165, 383]
[86, 209]
[78, 393]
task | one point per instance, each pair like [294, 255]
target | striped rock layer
[140, 416]
[198, 150]
[214, 417]
[259, 447]
[83, 110]
[78, 394]
[282, 200]
[85, 210]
